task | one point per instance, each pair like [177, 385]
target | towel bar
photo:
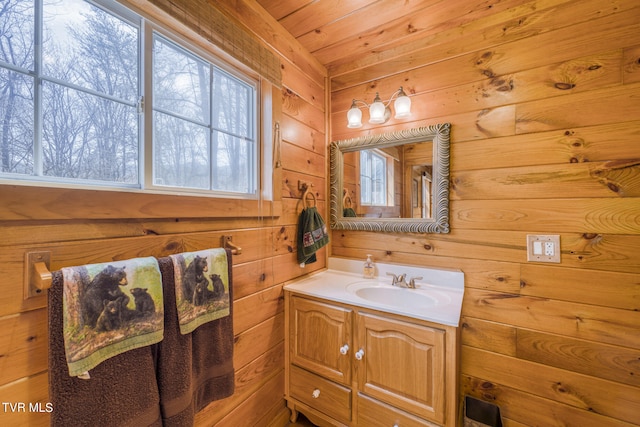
[227, 243]
[38, 276]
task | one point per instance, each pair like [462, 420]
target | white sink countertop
[437, 297]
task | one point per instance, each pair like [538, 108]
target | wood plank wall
[544, 102]
[80, 227]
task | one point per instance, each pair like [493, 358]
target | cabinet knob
[316, 393]
[344, 349]
[360, 354]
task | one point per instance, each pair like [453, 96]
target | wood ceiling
[345, 35]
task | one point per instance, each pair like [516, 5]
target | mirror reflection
[389, 182]
[392, 182]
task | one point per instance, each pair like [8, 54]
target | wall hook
[306, 187]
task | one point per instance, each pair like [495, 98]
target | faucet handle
[412, 281]
[395, 278]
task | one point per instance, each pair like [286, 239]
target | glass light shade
[354, 117]
[402, 105]
[376, 111]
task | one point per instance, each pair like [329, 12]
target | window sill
[45, 203]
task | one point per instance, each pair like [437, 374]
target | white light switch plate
[543, 248]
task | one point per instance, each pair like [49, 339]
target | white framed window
[76, 110]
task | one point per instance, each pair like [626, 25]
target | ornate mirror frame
[439, 223]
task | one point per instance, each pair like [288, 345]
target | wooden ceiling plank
[282, 8]
[364, 20]
[434, 19]
[320, 13]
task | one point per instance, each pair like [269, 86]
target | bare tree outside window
[71, 105]
[90, 130]
[203, 127]
[16, 88]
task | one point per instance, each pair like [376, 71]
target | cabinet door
[320, 339]
[402, 364]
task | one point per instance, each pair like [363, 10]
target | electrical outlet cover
[550, 243]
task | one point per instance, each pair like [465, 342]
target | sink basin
[419, 298]
[395, 296]
[437, 297]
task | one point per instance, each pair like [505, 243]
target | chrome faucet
[412, 282]
[400, 281]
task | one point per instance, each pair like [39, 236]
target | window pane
[232, 105]
[16, 116]
[379, 179]
[88, 47]
[181, 82]
[373, 178]
[234, 164]
[88, 137]
[16, 33]
[181, 153]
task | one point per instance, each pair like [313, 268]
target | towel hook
[307, 192]
[346, 199]
[227, 243]
[37, 275]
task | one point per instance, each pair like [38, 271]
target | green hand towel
[312, 235]
[349, 212]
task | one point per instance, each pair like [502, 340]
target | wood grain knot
[564, 86]
[560, 388]
[428, 247]
[589, 236]
[172, 246]
[488, 73]
[577, 143]
[483, 57]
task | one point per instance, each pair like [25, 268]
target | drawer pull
[344, 349]
[316, 393]
[360, 354]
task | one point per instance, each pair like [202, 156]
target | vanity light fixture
[379, 112]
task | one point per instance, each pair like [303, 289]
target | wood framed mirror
[392, 182]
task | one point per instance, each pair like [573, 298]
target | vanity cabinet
[352, 366]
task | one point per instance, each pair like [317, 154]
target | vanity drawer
[374, 413]
[321, 394]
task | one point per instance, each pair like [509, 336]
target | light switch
[537, 247]
[543, 247]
